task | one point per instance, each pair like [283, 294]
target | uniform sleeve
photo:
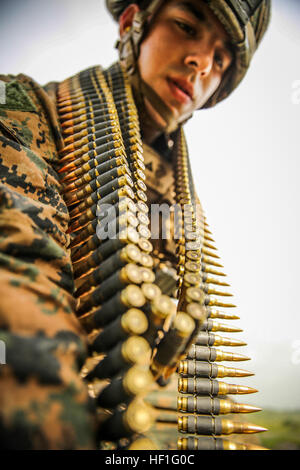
[44, 403]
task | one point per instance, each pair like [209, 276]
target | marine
[115, 138]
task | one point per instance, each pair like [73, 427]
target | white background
[245, 160]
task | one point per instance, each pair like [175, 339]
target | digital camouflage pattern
[44, 404]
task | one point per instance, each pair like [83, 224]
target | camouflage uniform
[44, 403]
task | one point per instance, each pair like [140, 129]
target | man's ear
[126, 19]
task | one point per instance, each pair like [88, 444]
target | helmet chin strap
[144, 91]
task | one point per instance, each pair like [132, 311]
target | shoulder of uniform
[21, 96]
[15, 93]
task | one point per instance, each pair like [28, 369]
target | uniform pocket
[11, 133]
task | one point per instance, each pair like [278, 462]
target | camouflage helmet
[245, 21]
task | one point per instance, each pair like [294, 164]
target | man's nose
[201, 61]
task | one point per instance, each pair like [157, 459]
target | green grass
[284, 429]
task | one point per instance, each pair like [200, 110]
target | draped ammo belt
[139, 337]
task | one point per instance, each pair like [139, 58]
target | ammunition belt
[137, 336]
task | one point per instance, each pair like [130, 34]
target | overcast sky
[245, 160]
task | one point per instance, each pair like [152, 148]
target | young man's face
[184, 56]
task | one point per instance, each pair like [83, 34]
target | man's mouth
[181, 89]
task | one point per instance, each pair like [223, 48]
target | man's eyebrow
[200, 16]
[196, 12]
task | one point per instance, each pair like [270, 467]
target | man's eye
[219, 61]
[186, 28]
